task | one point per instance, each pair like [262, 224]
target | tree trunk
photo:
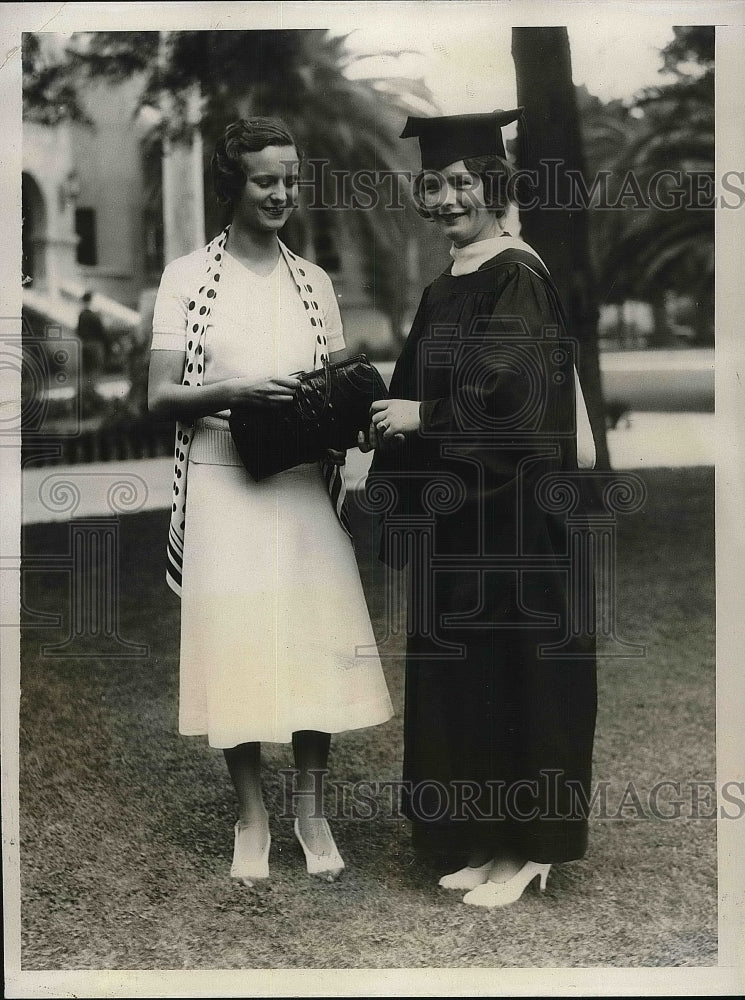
[661, 336]
[544, 87]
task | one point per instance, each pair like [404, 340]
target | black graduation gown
[496, 732]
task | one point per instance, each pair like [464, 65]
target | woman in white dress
[276, 641]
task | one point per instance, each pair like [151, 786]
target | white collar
[469, 258]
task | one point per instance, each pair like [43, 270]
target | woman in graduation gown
[480, 429]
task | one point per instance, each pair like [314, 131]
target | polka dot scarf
[198, 314]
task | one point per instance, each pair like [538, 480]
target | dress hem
[383, 714]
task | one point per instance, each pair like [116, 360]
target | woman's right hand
[266, 392]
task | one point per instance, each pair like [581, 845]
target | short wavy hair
[247, 135]
[496, 174]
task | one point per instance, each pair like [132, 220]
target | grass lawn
[126, 827]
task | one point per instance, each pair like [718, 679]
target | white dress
[275, 631]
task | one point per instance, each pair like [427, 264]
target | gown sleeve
[501, 416]
[509, 418]
[395, 457]
[502, 368]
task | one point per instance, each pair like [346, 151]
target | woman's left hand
[394, 418]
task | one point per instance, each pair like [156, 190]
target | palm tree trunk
[661, 336]
[544, 87]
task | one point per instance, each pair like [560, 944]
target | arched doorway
[34, 225]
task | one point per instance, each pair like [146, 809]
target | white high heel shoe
[466, 878]
[249, 870]
[326, 866]
[503, 893]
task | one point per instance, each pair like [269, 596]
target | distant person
[92, 336]
[498, 734]
[272, 607]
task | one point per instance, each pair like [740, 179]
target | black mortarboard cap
[450, 138]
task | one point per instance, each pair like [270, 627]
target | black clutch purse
[330, 406]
